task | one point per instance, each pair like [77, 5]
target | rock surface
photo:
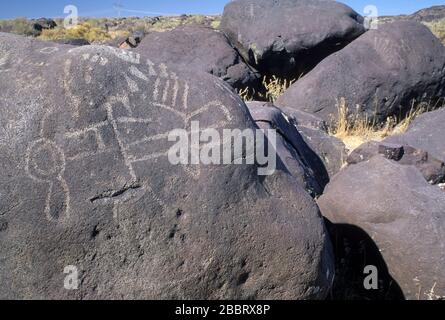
[296, 156]
[381, 72]
[397, 208]
[84, 182]
[73, 42]
[426, 132]
[289, 37]
[432, 169]
[331, 150]
[200, 48]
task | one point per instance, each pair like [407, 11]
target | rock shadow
[354, 249]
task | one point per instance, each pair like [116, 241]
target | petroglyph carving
[391, 50]
[169, 94]
[45, 162]
[3, 57]
[49, 50]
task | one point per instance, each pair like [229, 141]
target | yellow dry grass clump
[272, 88]
[354, 130]
[438, 28]
[81, 31]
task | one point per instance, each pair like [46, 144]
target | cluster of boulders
[86, 182]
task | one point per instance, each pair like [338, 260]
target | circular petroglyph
[45, 161]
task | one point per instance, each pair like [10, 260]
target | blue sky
[103, 8]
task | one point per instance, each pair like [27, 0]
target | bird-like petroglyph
[133, 131]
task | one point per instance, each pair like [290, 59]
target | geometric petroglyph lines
[82, 133]
[166, 90]
[49, 50]
[117, 133]
[132, 85]
[186, 118]
[125, 55]
[129, 160]
[45, 162]
[3, 57]
[137, 73]
[154, 137]
[163, 70]
[151, 69]
[67, 81]
[391, 51]
[97, 58]
[211, 105]
[156, 89]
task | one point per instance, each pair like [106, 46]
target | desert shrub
[215, 23]
[83, 30]
[438, 28]
[21, 26]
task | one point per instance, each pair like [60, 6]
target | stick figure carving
[46, 163]
[135, 132]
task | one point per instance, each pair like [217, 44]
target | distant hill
[427, 15]
[114, 31]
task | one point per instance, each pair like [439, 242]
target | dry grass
[275, 87]
[354, 130]
[438, 28]
[246, 94]
[83, 30]
[21, 26]
[101, 29]
[271, 89]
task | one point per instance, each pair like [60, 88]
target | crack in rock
[110, 194]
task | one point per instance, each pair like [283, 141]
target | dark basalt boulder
[289, 37]
[427, 133]
[85, 183]
[296, 156]
[331, 150]
[402, 213]
[378, 75]
[44, 23]
[432, 169]
[199, 48]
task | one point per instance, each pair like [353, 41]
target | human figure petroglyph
[45, 162]
[133, 132]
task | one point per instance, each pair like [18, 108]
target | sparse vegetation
[438, 28]
[271, 89]
[102, 29]
[354, 129]
[83, 30]
[275, 87]
[21, 26]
